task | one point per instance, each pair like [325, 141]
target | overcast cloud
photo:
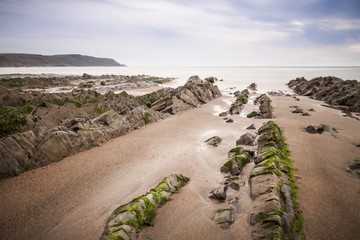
[187, 32]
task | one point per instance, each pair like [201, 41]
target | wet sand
[73, 198]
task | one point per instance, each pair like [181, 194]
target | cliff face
[33, 60]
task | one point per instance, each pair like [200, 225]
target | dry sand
[72, 199]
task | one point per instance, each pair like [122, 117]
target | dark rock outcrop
[332, 90]
[252, 86]
[246, 139]
[265, 108]
[60, 125]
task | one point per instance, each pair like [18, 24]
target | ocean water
[267, 78]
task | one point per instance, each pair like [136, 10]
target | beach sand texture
[73, 198]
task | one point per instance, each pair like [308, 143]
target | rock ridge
[59, 125]
[331, 90]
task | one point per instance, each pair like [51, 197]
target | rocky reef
[40, 128]
[127, 220]
[276, 213]
[332, 90]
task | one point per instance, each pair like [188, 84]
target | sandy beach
[73, 198]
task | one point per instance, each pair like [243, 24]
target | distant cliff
[34, 60]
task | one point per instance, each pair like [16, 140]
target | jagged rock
[214, 141]
[252, 86]
[224, 217]
[252, 126]
[245, 139]
[265, 106]
[305, 114]
[229, 120]
[64, 124]
[332, 90]
[219, 193]
[211, 79]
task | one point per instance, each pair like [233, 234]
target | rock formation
[55, 126]
[265, 108]
[332, 90]
[127, 220]
[276, 213]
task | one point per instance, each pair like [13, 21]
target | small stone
[354, 165]
[320, 130]
[311, 110]
[252, 86]
[234, 186]
[252, 126]
[223, 114]
[311, 129]
[214, 141]
[305, 114]
[357, 145]
[237, 93]
[229, 120]
[297, 99]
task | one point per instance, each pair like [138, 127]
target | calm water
[267, 78]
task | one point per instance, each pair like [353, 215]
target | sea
[266, 78]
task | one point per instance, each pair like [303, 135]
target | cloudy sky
[187, 32]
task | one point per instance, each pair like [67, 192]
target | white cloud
[339, 24]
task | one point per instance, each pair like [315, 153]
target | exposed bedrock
[332, 90]
[65, 124]
[276, 213]
[127, 220]
[265, 108]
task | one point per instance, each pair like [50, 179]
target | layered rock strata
[276, 213]
[265, 108]
[239, 104]
[127, 220]
[64, 124]
[332, 90]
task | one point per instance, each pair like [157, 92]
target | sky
[187, 32]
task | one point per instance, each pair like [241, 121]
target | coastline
[95, 182]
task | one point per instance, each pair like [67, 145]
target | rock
[223, 114]
[253, 114]
[224, 217]
[311, 129]
[305, 114]
[298, 110]
[311, 110]
[219, 193]
[265, 106]
[237, 93]
[354, 165]
[211, 79]
[229, 120]
[252, 126]
[234, 186]
[357, 145]
[245, 139]
[320, 130]
[214, 141]
[332, 90]
[252, 86]
[86, 76]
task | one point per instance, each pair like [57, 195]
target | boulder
[245, 139]
[224, 217]
[219, 193]
[252, 86]
[214, 141]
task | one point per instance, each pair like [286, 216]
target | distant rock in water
[35, 60]
[332, 90]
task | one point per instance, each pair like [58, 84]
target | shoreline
[96, 181]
